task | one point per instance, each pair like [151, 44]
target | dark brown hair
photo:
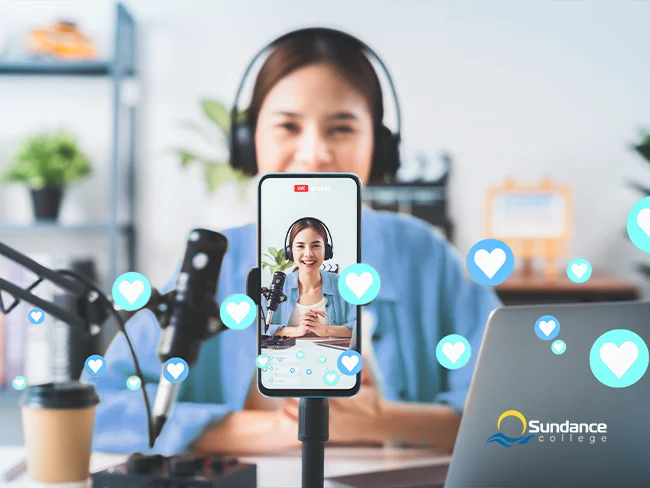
[307, 224]
[343, 54]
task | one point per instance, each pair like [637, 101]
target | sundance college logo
[548, 431]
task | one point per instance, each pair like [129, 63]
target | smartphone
[309, 232]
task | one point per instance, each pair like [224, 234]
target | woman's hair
[344, 55]
[308, 224]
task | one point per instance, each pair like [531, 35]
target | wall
[510, 88]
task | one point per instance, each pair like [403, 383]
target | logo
[503, 439]
[553, 432]
[300, 188]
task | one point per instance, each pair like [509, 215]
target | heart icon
[134, 382]
[579, 269]
[263, 361]
[36, 316]
[359, 284]
[175, 369]
[490, 262]
[292, 370]
[238, 311]
[331, 378]
[322, 359]
[131, 291]
[453, 351]
[300, 354]
[547, 327]
[19, 382]
[95, 364]
[643, 219]
[350, 362]
[619, 359]
[558, 346]
[308, 371]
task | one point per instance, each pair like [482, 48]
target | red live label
[300, 188]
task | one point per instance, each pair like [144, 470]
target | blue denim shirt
[339, 312]
[425, 295]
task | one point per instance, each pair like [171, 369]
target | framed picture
[534, 220]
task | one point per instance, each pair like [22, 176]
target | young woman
[314, 306]
[317, 106]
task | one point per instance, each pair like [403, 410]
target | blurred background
[130, 98]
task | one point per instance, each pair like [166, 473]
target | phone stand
[313, 432]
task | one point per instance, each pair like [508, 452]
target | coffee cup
[58, 424]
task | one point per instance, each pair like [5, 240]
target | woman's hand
[314, 323]
[298, 331]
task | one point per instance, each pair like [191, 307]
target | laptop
[537, 419]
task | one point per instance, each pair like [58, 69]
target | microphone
[274, 296]
[194, 315]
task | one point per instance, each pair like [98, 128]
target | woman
[317, 106]
[314, 306]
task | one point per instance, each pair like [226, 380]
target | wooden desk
[537, 289]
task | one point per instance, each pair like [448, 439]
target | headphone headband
[327, 32]
[330, 242]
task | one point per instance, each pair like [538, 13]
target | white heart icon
[579, 269]
[558, 346]
[263, 361]
[359, 284]
[134, 382]
[175, 369]
[547, 327]
[453, 351]
[490, 262]
[619, 359]
[36, 316]
[131, 291]
[350, 362]
[19, 382]
[331, 377]
[643, 219]
[95, 364]
[238, 311]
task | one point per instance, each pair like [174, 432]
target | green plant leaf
[217, 112]
[48, 159]
[274, 251]
[217, 173]
[187, 157]
[643, 189]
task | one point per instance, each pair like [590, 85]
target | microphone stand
[93, 307]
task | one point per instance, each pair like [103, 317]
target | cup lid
[73, 394]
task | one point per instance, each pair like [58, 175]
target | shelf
[57, 68]
[54, 228]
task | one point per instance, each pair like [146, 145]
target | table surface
[281, 470]
[599, 282]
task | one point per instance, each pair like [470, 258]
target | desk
[282, 470]
[537, 289]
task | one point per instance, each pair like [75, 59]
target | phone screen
[309, 232]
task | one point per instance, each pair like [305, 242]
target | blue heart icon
[300, 354]
[331, 378]
[322, 359]
[292, 370]
[308, 371]
[19, 383]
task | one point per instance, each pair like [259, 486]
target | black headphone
[329, 245]
[386, 160]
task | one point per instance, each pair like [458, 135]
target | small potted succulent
[47, 163]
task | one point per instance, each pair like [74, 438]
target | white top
[301, 310]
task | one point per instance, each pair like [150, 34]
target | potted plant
[47, 163]
[277, 260]
[216, 168]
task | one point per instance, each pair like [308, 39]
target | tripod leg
[313, 432]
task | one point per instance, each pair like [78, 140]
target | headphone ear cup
[329, 252]
[242, 149]
[288, 253]
[385, 161]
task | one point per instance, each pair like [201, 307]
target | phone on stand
[309, 232]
